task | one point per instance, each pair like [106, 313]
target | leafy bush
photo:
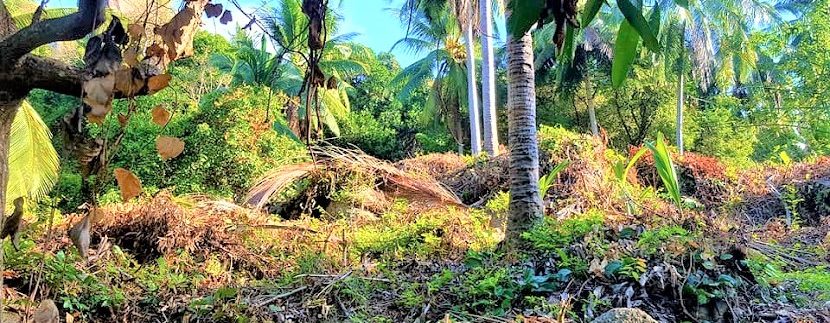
[553, 234]
[722, 133]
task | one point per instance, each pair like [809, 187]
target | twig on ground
[283, 295]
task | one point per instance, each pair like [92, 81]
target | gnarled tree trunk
[20, 71]
[525, 202]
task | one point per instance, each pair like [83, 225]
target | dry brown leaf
[126, 84]
[122, 120]
[172, 33]
[128, 183]
[135, 31]
[169, 147]
[98, 96]
[213, 10]
[154, 51]
[79, 234]
[158, 82]
[46, 312]
[131, 56]
[160, 115]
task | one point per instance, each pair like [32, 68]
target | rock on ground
[625, 315]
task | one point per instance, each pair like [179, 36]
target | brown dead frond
[335, 164]
[164, 227]
[276, 181]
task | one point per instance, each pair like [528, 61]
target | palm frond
[33, 161]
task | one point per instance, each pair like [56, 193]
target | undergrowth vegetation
[187, 257]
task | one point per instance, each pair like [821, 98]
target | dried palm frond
[333, 162]
[276, 181]
[403, 183]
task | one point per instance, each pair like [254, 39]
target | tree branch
[74, 26]
[52, 75]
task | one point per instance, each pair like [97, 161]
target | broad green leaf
[633, 162]
[521, 15]
[282, 128]
[654, 19]
[331, 122]
[682, 3]
[665, 167]
[633, 14]
[567, 54]
[625, 52]
[546, 181]
[590, 11]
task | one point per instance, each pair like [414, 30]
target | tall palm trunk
[681, 84]
[488, 79]
[589, 102]
[525, 202]
[472, 92]
[679, 125]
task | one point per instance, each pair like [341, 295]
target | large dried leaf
[79, 234]
[131, 56]
[226, 18]
[135, 31]
[158, 82]
[46, 312]
[98, 96]
[126, 83]
[128, 183]
[160, 115]
[177, 35]
[169, 147]
[213, 10]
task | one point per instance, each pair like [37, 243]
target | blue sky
[374, 21]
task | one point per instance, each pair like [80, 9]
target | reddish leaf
[160, 115]
[158, 82]
[128, 183]
[169, 147]
[122, 120]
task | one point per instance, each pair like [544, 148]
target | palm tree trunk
[525, 202]
[488, 79]
[679, 126]
[592, 114]
[472, 93]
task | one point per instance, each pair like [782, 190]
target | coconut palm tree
[286, 26]
[465, 14]
[249, 64]
[525, 200]
[711, 40]
[436, 31]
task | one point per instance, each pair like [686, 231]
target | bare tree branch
[51, 75]
[74, 26]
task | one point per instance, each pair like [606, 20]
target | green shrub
[553, 234]
[724, 134]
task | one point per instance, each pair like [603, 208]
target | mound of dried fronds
[334, 166]
[167, 225]
[435, 165]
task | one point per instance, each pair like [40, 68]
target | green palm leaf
[33, 162]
